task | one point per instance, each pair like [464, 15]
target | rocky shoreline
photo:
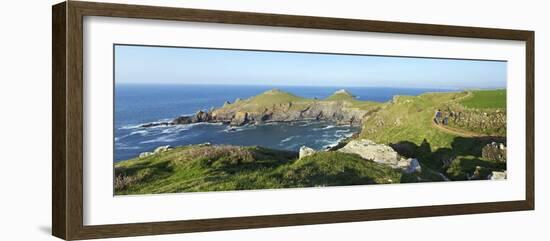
[340, 111]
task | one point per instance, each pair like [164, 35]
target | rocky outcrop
[382, 154]
[340, 112]
[368, 149]
[157, 150]
[278, 106]
[145, 154]
[494, 151]
[200, 116]
[305, 151]
[488, 121]
[161, 149]
[239, 119]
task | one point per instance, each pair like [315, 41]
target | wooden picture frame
[67, 123]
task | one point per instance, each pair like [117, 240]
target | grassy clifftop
[274, 96]
[410, 118]
[406, 123]
[215, 168]
[278, 97]
[486, 99]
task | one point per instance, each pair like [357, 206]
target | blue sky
[165, 65]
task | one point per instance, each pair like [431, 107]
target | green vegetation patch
[471, 167]
[409, 118]
[336, 169]
[285, 100]
[407, 125]
[486, 99]
[275, 96]
[223, 168]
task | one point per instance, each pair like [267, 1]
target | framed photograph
[171, 120]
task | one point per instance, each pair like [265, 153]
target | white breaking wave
[140, 132]
[230, 129]
[308, 123]
[324, 128]
[342, 131]
[122, 146]
[169, 138]
[176, 129]
[287, 139]
[129, 127]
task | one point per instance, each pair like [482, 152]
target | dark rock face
[323, 111]
[152, 124]
[337, 112]
[239, 119]
[182, 120]
[202, 116]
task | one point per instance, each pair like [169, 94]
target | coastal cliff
[275, 105]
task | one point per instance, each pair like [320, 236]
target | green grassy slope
[277, 97]
[409, 118]
[482, 99]
[217, 168]
[268, 99]
[407, 125]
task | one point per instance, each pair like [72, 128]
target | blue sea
[139, 104]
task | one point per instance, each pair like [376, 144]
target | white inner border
[101, 207]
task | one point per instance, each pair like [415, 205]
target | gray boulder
[145, 154]
[161, 149]
[306, 151]
[382, 154]
[369, 150]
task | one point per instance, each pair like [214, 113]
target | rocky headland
[275, 105]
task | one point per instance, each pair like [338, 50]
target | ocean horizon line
[313, 86]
